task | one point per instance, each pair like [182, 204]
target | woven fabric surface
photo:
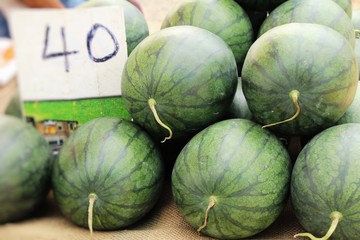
[164, 222]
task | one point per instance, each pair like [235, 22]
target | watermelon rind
[25, 160]
[224, 18]
[115, 160]
[243, 168]
[325, 179]
[188, 71]
[313, 59]
[352, 114]
[309, 11]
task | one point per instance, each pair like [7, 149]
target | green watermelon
[260, 5]
[232, 179]
[346, 5]
[299, 78]
[14, 107]
[325, 183]
[323, 12]
[178, 81]
[136, 27]
[110, 167]
[25, 160]
[352, 115]
[225, 18]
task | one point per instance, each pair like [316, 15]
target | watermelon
[325, 183]
[299, 78]
[25, 160]
[178, 81]
[352, 115]
[14, 108]
[310, 11]
[346, 5]
[260, 5]
[224, 18]
[136, 27]
[232, 179]
[110, 167]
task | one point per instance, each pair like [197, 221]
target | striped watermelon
[231, 180]
[184, 75]
[304, 74]
[260, 5]
[352, 114]
[114, 162]
[323, 12]
[225, 18]
[325, 183]
[346, 5]
[136, 27]
[25, 160]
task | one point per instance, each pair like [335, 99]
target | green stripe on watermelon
[322, 68]
[25, 161]
[189, 72]
[309, 11]
[223, 18]
[231, 180]
[115, 160]
[325, 180]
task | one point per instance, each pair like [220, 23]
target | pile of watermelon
[215, 97]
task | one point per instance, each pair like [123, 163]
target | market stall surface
[163, 222]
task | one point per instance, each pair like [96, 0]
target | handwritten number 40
[66, 53]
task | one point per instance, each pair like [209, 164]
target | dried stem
[152, 104]
[294, 95]
[210, 205]
[92, 198]
[335, 219]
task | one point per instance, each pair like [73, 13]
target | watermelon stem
[335, 217]
[210, 205]
[294, 95]
[152, 104]
[92, 198]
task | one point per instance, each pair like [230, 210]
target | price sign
[69, 54]
[70, 63]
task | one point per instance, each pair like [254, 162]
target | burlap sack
[165, 222]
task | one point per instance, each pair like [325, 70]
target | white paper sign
[65, 54]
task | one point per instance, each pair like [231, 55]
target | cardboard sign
[69, 54]
[69, 66]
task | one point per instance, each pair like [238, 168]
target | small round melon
[25, 160]
[325, 182]
[232, 179]
[300, 78]
[114, 162]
